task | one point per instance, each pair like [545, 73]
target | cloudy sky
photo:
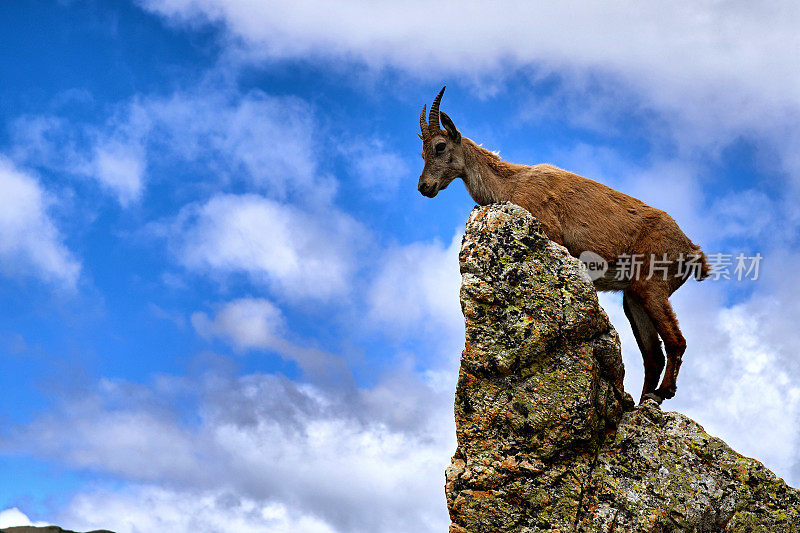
[226, 306]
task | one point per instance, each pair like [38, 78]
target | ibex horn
[433, 117]
[422, 124]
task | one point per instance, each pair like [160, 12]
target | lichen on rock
[548, 440]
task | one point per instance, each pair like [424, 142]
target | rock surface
[547, 438]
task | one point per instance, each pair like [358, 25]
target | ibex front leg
[647, 338]
[654, 296]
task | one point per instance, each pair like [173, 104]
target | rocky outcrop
[547, 438]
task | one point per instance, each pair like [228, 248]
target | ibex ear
[450, 127]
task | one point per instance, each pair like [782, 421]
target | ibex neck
[488, 178]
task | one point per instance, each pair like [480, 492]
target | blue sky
[227, 304]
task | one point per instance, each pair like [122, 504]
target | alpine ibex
[583, 216]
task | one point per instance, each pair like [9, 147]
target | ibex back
[583, 216]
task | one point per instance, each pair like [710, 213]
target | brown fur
[582, 214]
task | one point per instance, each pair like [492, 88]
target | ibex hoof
[651, 396]
[665, 394]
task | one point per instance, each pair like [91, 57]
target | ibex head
[441, 149]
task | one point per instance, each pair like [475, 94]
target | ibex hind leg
[647, 338]
[654, 297]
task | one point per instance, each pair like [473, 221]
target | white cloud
[301, 254]
[753, 214]
[630, 33]
[263, 451]
[269, 143]
[144, 509]
[416, 290]
[256, 323]
[13, 517]
[751, 398]
[121, 170]
[112, 154]
[376, 168]
[30, 244]
[710, 49]
[246, 322]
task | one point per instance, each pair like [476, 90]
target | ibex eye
[440, 147]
